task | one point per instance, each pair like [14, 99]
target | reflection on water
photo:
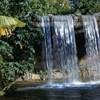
[78, 91]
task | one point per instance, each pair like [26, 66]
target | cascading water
[63, 53]
[47, 46]
[64, 46]
[92, 45]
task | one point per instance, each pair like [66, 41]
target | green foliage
[17, 50]
[6, 70]
[87, 7]
[47, 7]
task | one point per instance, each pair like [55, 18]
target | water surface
[57, 91]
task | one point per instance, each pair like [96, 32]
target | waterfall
[64, 46]
[59, 49]
[47, 46]
[92, 45]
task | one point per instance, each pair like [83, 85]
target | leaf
[2, 31]
[5, 31]
[7, 22]
[2, 70]
[10, 21]
[21, 47]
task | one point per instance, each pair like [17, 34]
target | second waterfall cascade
[92, 45]
[59, 48]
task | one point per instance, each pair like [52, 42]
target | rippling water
[57, 91]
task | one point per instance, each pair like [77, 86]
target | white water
[59, 48]
[64, 85]
[47, 46]
[92, 45]
[64, 46]
[63, 53]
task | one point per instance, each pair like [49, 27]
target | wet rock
[29, 77]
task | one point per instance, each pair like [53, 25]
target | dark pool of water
[56, 92]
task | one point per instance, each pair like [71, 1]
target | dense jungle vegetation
[17, 51]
